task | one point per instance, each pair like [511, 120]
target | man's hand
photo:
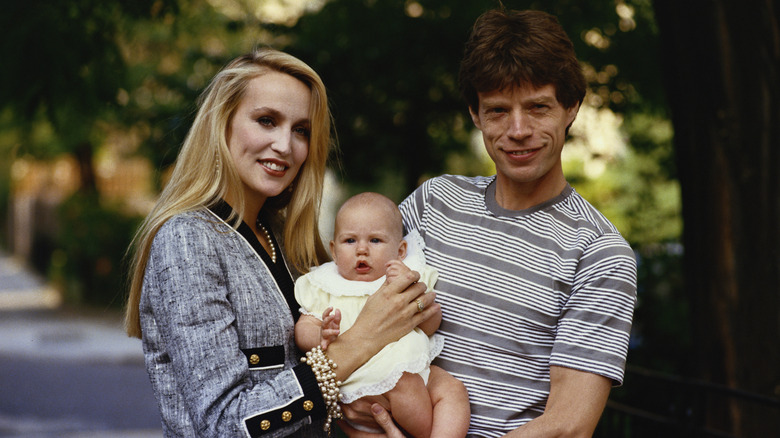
[381, 419]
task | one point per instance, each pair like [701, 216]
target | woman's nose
[282, 143]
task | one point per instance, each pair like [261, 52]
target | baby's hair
[372, 198]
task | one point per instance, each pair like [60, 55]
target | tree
[391, 70]
[722, 77]
[63, 69]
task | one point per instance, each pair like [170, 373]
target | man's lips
[521, 155]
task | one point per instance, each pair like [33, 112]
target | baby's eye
[350, 240]
[376, 240]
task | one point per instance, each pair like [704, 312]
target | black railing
[653, 404]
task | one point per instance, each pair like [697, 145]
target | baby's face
[365, 240]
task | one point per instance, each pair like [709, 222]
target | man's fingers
[384, 421]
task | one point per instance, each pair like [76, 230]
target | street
[67, 372]
[48, 398]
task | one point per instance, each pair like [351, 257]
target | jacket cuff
[310, 405]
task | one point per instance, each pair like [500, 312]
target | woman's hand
[389, 313]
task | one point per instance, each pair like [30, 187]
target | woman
[211, 292]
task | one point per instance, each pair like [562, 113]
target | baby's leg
[411, 406]
[451, 410]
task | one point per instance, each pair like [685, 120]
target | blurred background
[677, 143]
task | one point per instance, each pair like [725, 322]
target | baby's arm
[311, 332]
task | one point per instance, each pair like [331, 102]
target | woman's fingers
[423, 307]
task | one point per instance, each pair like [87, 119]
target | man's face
[524, 129]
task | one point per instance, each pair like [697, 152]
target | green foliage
[636, 190]
[90, 245]
[391, 69]
[62, 65]
[392, 77]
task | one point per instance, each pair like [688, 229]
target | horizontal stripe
[520, 291]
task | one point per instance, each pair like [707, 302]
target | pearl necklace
[268, 239]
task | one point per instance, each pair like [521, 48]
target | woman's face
[268, 135]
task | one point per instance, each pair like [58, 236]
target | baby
[367, 249]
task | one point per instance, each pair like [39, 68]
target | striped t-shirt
[520, 291]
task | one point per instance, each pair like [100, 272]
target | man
[537, 287]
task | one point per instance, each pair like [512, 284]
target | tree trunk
[87, 178]
[722, 74]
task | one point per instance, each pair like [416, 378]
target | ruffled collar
[327, 278]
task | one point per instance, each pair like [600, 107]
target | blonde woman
[211, 292]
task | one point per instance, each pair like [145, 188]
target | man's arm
[574, 407]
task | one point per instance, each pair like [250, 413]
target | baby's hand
[330, 328]
[394, 269]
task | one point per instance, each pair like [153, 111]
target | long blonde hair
[204, 171]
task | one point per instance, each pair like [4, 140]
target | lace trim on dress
[388, 383]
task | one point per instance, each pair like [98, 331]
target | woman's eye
[265, 121]
[302, 131]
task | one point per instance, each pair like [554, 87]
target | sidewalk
[33, 321]
[40, 337]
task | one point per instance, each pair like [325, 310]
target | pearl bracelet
[326, 379]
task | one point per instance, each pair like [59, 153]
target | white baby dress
[323, 287]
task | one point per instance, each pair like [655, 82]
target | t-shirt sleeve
[595, 324]
[413, 207]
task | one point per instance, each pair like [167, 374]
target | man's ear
[571, 114]
[402, 250]
[475, 117]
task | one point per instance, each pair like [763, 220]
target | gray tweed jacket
[218, 335]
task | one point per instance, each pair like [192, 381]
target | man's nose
[520, 125]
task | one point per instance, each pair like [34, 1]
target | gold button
[286, 416]
[265, 425]
[308, 405]
[254, 359]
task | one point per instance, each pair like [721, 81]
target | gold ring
[420, 305]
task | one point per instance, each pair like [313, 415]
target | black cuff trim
[264, 357]
[310, 404]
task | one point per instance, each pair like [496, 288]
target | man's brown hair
[517, 48]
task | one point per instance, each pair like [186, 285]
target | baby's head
[368, 234]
